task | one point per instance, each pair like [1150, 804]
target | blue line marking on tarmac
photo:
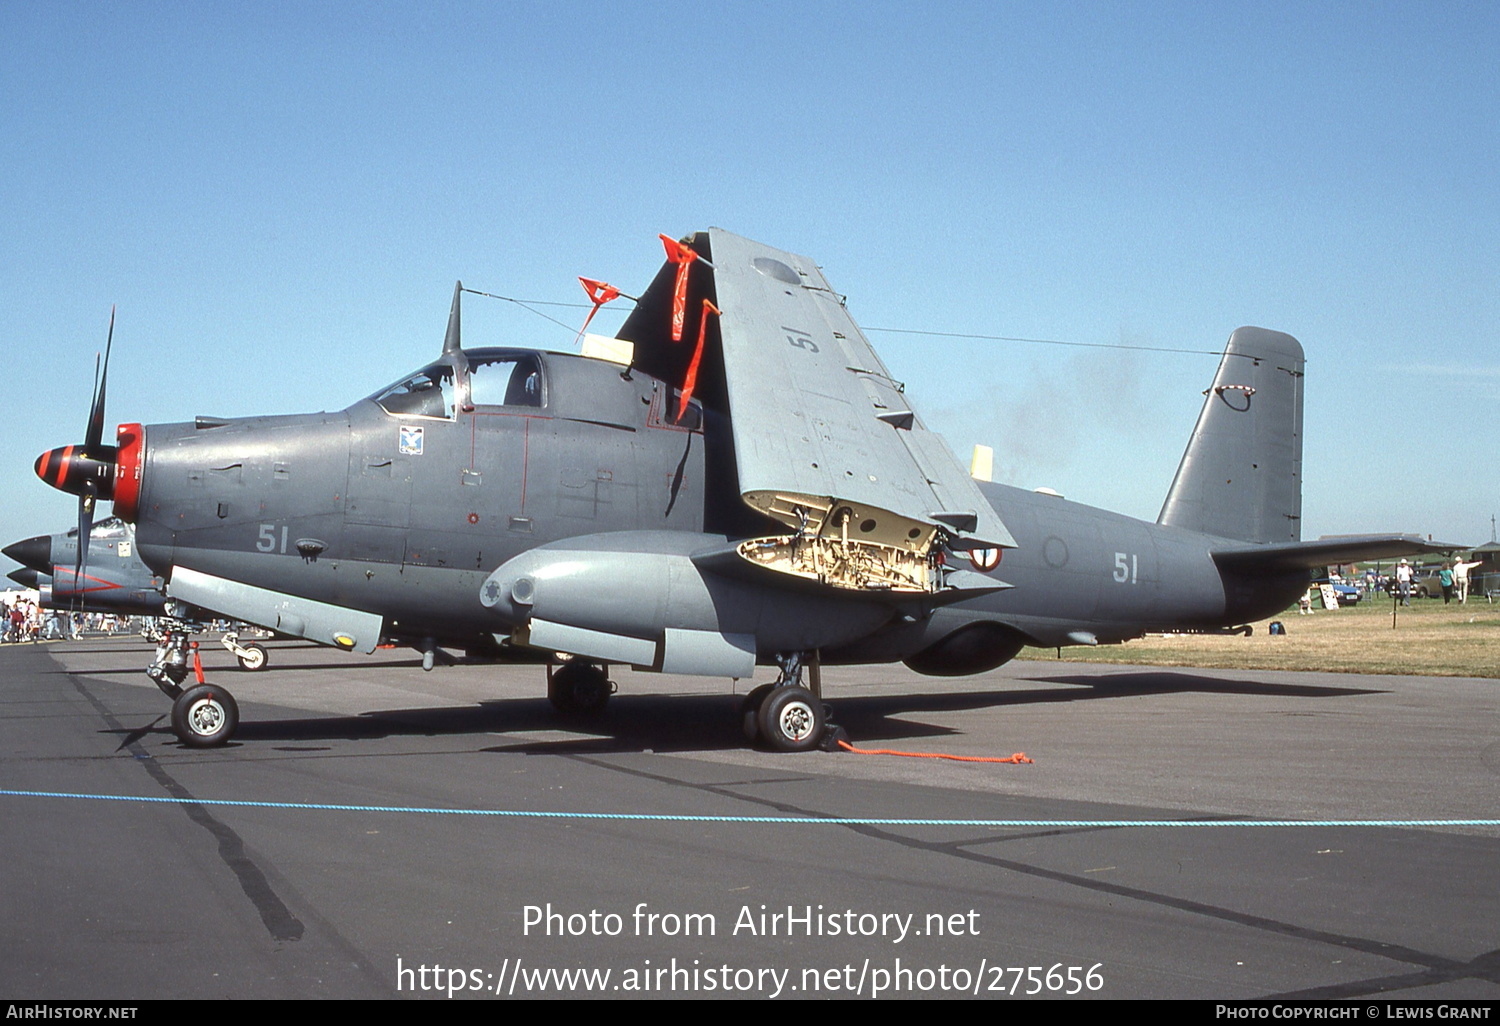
[656, 817]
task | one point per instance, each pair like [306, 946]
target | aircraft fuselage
[405, 515]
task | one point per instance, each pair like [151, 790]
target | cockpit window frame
[517, 357]
[458, 366]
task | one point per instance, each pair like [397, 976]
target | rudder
[1241, 476]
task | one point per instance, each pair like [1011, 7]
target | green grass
[1428, 638]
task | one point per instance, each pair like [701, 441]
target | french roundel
[984, 559]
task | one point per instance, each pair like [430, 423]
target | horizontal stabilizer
[1326, 551]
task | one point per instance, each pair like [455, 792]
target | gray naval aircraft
[115, 580]
[107, 575]
[740, 483]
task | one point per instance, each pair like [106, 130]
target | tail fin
[1241, 476]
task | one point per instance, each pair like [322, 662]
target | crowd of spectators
[24, 620]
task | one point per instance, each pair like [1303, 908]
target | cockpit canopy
[109, 527]
[463, 381]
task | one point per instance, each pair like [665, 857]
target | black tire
[255, 658]
[205, 716]
[579, 689]
[750, 711]
[791, 720]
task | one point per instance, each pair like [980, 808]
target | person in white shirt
[1461, 579]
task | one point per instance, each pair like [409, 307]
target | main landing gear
[579, 690]
[787, 717]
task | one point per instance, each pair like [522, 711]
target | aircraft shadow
[1167, 682]
[687, 723]
[662, 723]
[631, 723]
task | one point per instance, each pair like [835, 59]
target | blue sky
[280, 196]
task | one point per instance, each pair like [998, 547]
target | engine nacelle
[972, 649]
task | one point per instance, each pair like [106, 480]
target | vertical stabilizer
[1241, 476]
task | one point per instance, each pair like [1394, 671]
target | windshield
[109, 527]
[427, 393]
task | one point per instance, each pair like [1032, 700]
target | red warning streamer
[690, 380]
[682, 256]
[600, 292]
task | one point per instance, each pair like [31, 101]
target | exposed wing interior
[825, 442]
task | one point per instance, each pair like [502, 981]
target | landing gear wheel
[254, 658]
[750, 711]
[579, 689]
[791, 720]
[205, 716]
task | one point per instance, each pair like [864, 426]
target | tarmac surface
[393, 894]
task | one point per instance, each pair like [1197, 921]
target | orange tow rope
[1015, 759]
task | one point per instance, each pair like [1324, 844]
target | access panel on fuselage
[466, 496]
[613, 457]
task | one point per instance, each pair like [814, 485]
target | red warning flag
[600, 292]
[690, 380]
[682, 256]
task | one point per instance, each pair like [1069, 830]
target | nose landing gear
[204, 715]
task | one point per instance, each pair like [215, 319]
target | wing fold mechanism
[825, 441]
[903, 575]
[844, 544]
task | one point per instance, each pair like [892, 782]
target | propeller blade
[87, 500]
[89, 497]
[95, 432]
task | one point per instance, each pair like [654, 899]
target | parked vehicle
[1426, 584]
[1348, 594]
